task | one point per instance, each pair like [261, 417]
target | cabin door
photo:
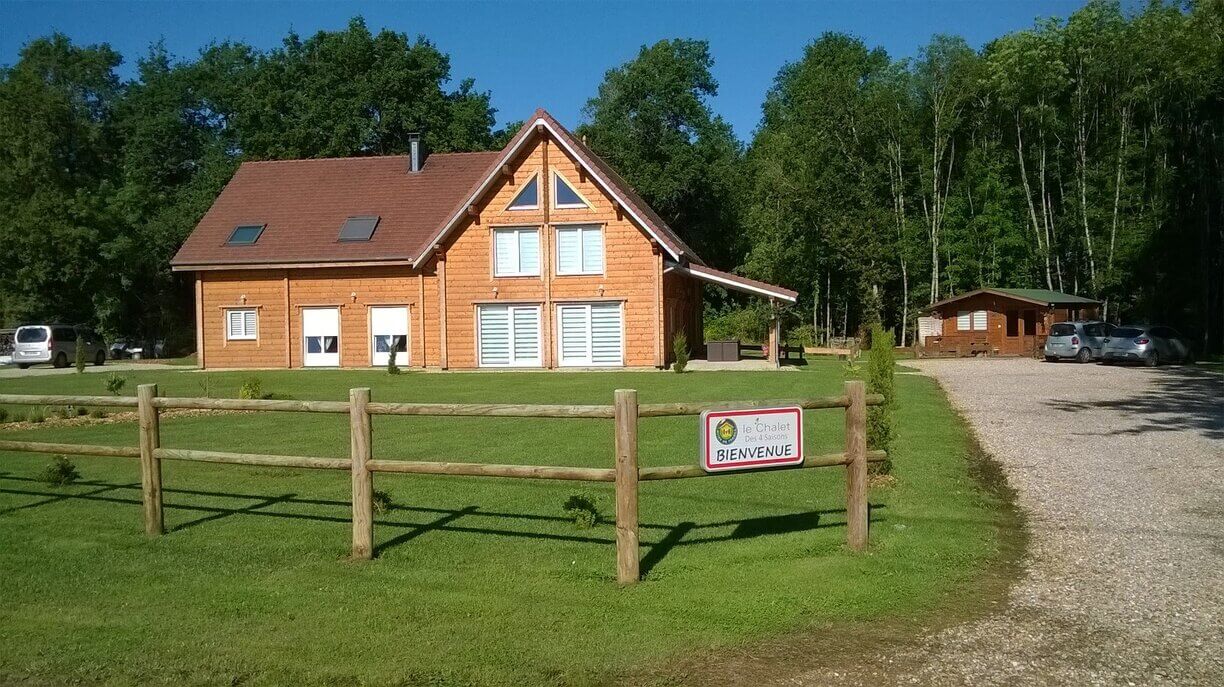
[389, 332]
[321, 337]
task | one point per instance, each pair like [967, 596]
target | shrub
[680, 352]
[392, 368]
[97, 413]
[3, 414]
[65, 412]
[36, 416]
[82, 411]
[880, 364]
[748, 324]
[80, 355]
[382, 502]
[59, 472]
[803, 335]
[580, 507]
[252, 388]
[205, 383]
[115, 382]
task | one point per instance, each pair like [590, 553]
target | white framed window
[580, 250]
[564, 195]
[241, 324]
[590, 334]
[529, 197]
[508, 335]
[389, 332]
[516, 252]
[971, 321]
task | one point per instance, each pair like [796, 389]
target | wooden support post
[626, 414]
[363, 479]
[856, 466]
[150, 466]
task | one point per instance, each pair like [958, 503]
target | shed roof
[1044, 297]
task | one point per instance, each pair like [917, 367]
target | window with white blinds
[580, 250]
[969, 321]
[590, 334]
[508, 335]
[241, 324]
[516, 252]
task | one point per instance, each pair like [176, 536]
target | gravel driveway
[1120, 473]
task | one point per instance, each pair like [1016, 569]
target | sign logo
[725, 431]
[751, 439]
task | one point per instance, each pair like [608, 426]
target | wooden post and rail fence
[626, 473]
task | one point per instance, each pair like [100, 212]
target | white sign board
[751, 439]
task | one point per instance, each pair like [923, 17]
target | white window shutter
[505, 251]
[979, 320]
[607, 332]
[529, 251]
[569, 251]
[963, 320]
[494, 325]
[592, 250]
[526, 335]
[574, 334]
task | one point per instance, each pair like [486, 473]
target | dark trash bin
[722, 351]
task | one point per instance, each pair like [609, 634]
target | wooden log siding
[625, 473]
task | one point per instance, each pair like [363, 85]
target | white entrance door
[321, 337]
[590, 335]
[389, 332]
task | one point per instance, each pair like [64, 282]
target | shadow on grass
[446, 520]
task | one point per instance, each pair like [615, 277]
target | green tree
[652, 121]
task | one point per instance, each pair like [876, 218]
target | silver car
[1082, 341]
[1148, 345]
[55, 344]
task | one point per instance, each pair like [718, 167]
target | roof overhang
[1004, 294]
[734, 282]
[214, 267]
[495, 171]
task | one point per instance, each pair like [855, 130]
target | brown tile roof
[304, 202]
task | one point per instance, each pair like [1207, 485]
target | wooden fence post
[856, 469]
[626, 414]
[150, 466]
[363, 479]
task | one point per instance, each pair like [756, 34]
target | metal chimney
[416, 156]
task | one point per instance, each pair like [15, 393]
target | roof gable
[605, 177]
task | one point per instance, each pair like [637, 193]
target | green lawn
[477, 580]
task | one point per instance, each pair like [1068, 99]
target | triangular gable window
[564, 195]
[529, 197]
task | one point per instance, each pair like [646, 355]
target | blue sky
[541, 54]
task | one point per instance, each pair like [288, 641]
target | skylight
[245, 234]
[564, 195]
[358, 228]
[529, 197]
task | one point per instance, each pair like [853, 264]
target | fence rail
[625, 473]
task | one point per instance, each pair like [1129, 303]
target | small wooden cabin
[1002, 321]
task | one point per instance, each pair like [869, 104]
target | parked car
[129, 349]
[1081, 340]
[1148, 345]
[55, 344]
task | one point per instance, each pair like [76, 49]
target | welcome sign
[751, 439]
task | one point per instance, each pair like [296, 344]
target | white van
[55, 344]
